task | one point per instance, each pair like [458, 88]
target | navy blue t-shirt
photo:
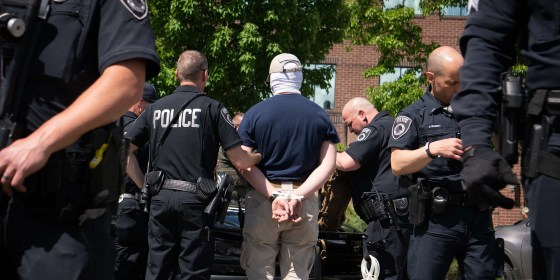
[288, 130]
[371, 151]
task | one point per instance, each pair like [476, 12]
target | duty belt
[460, 199]
[441, 197]
[179, 185]
[135, 196]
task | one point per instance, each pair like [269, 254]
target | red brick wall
[350, 82]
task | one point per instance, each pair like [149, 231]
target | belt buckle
[287, 185]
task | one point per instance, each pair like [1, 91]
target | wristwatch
[432, 156]
[273, 197]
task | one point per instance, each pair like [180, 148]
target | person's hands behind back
[484, 173]
[286, 210]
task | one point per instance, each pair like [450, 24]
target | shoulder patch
[401, 126]
[227, 117]
[364, 134]
[138, 8]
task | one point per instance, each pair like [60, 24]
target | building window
[459, 9]
[414, 4]
[324, 97]
[391, 77]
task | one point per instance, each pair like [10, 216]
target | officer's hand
[19, 160]
[257, 157]
[487, 197]
[484, 173]
[448, 148]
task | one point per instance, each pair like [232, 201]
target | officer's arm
[256, 178]
[132, 168]
[242, 159]
[408, 161]
[345, 162]
[118, 87]
[321, 174]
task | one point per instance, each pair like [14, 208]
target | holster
[154, 181]
[370, 208]
[420, 201]
[543, 111]
[205, 189]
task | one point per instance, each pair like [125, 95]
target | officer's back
[184, 131]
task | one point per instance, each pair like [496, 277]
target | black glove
[484, 173]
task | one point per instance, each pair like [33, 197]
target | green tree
[240, 37]
[399, 41]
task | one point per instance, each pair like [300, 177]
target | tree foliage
[240, 38]
[399, 42]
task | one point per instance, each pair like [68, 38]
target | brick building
[349, 82]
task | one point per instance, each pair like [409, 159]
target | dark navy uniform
[179, 231]
[386, 244]
[461, 231]
[488, 44]
[131, 241]
[58, 227]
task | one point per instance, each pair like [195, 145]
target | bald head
[442, 58]
[358, 103]
[357, 113]
[443, 73]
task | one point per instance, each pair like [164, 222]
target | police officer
[368, 161]
[180, 234]
[89, 64]
[425, 143]
[299, 153]
[131, 228]
[488, 43]
[224, 165]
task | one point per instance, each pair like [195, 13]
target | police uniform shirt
[370, 150]
[77, 42]
[288, 130]
[141, 153]
[190, 149]
[427, 121]
[491, 31]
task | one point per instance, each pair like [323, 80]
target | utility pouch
[154, 181]
[440, 200]
[372, 208]
[205, 189]
[420, 200]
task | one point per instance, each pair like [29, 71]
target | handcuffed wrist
[273, 197]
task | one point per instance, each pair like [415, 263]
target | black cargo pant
[464, 233]
[544, 195]
[389, 247]
[131, 242]
[179, 235]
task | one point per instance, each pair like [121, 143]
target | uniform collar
[188, 88]
[434, 106]
[130, 114]
[379, 115]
